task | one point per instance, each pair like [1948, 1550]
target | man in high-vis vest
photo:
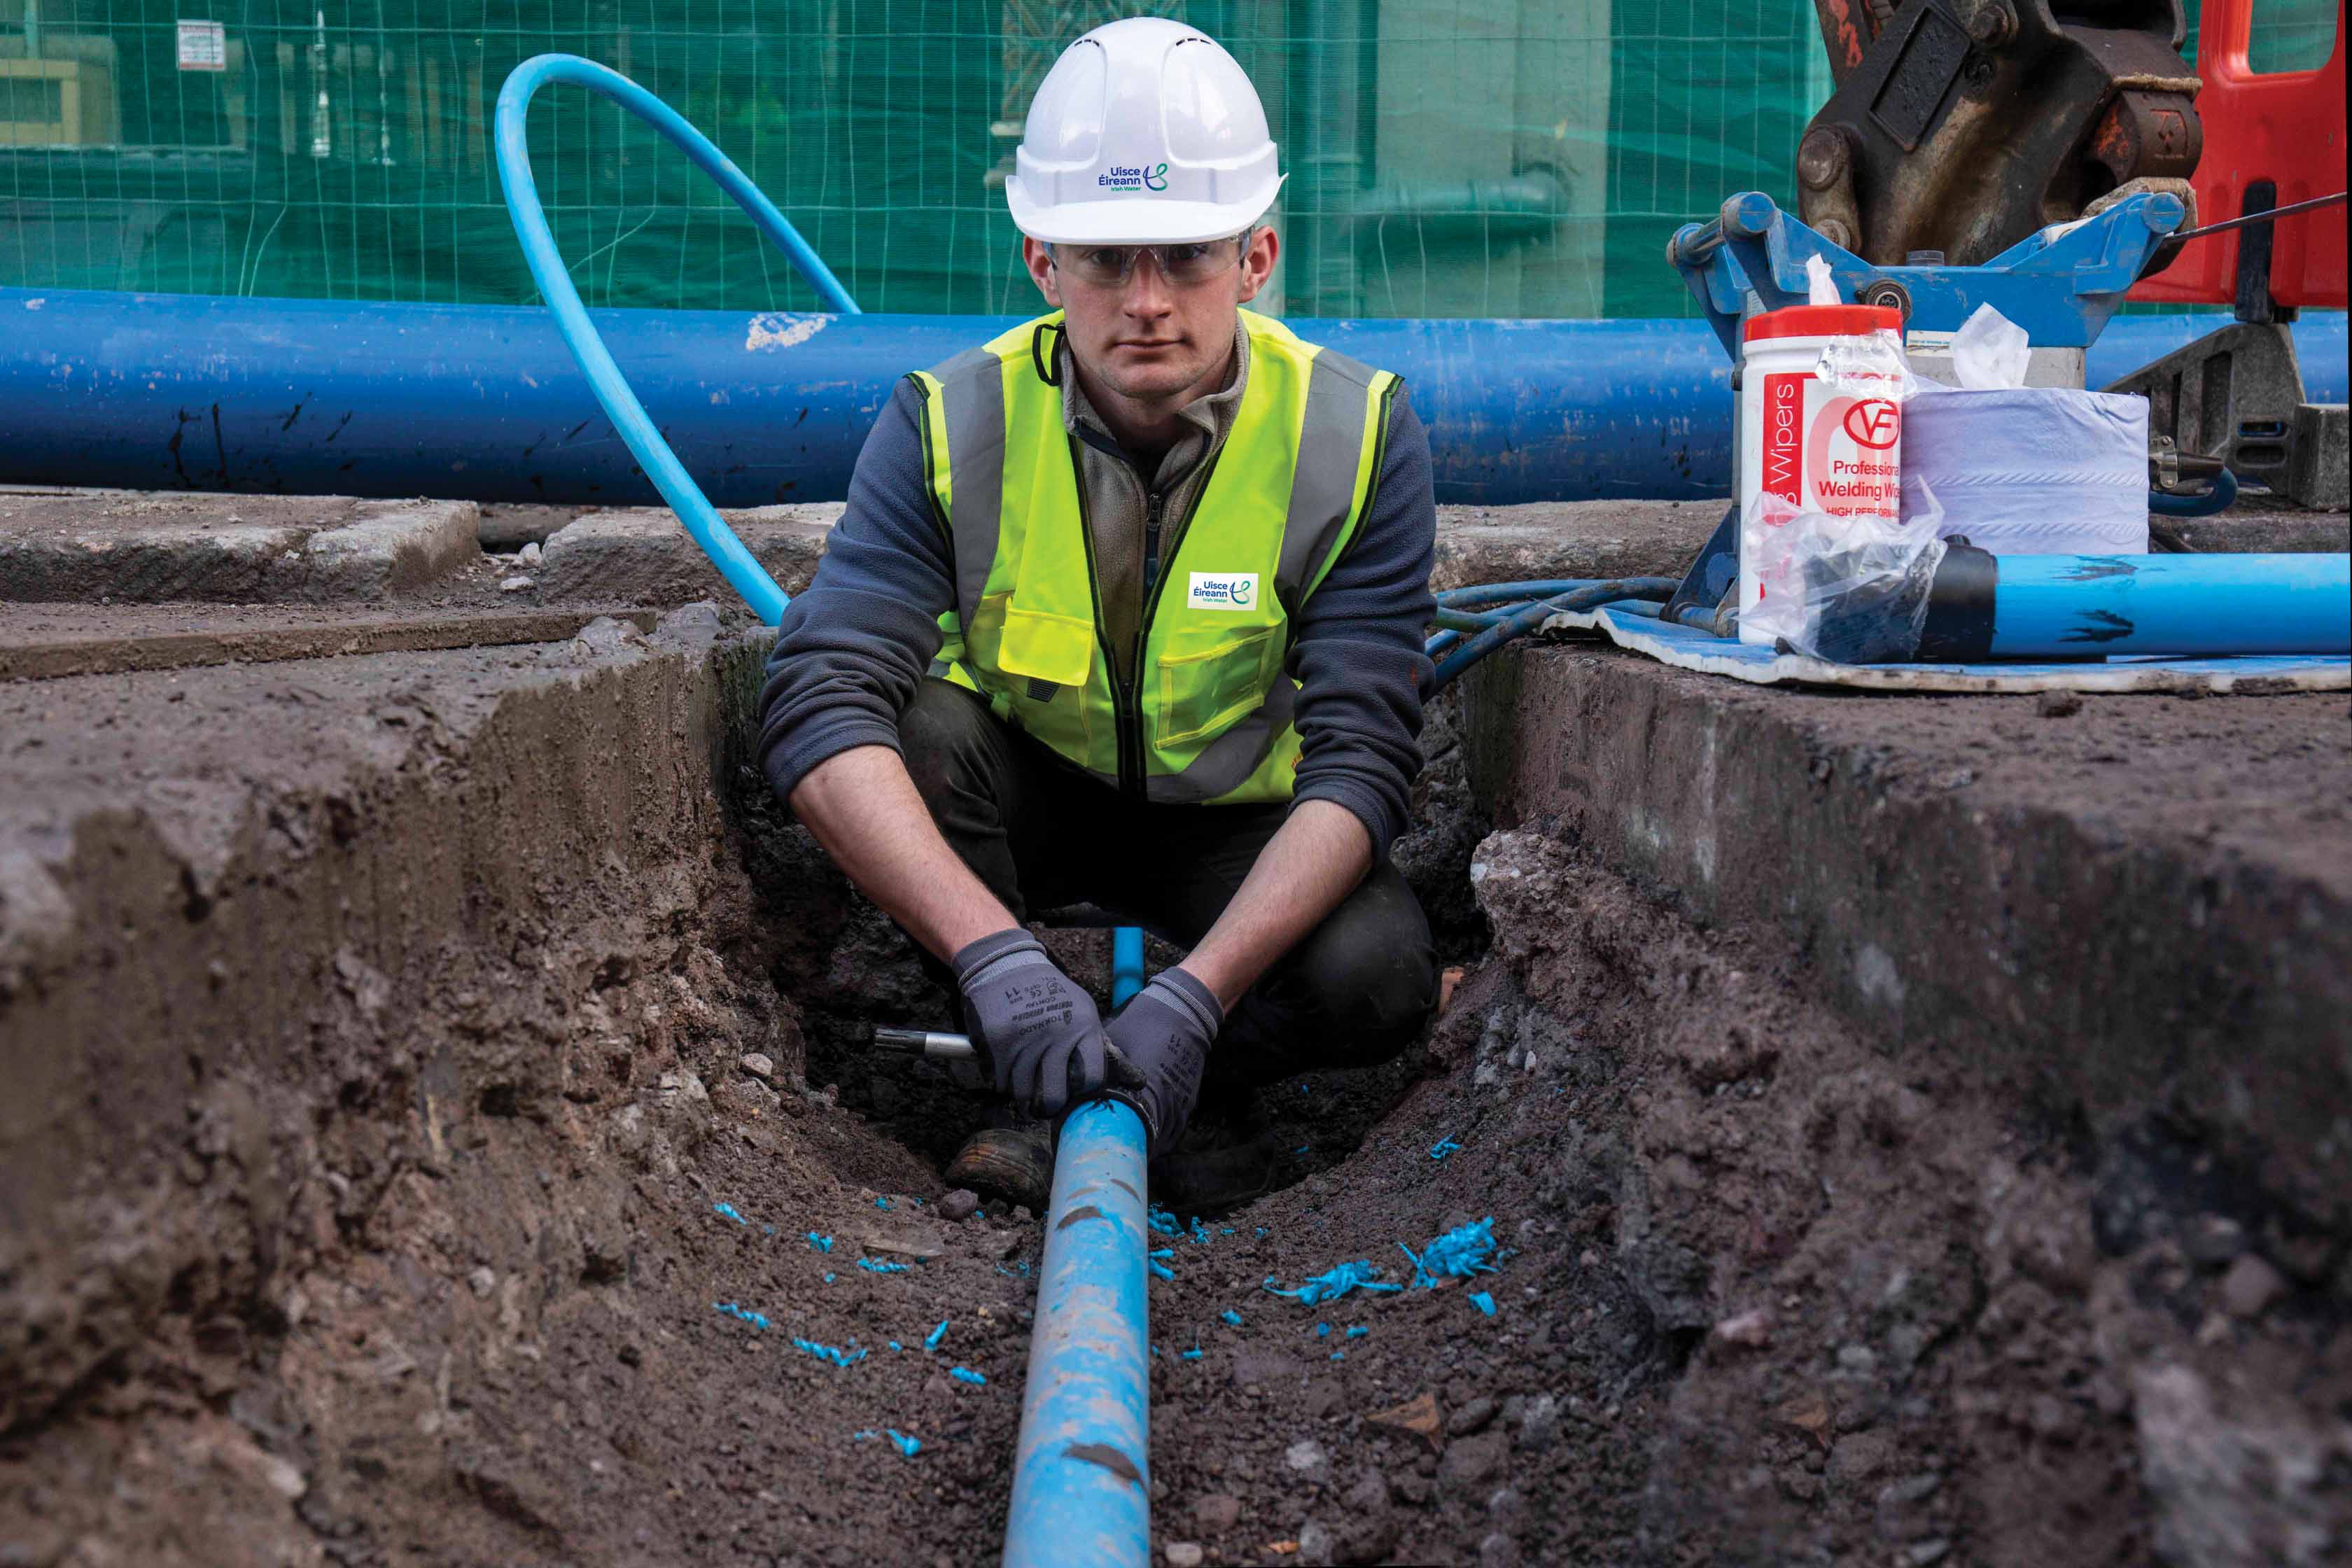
[1126, 608]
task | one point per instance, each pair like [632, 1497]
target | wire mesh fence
[1445, 157]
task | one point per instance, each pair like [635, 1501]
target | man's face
[1149, 338]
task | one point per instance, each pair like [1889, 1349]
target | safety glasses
[1184, 266]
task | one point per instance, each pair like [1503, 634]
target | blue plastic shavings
[1019, 1271]
[873, 1268]
[829, 1275]
[1162, 1222]
[828, 1352]
[1159, 1270]
[965, 1374]
[1322, 1330]
[1443, 1147]
[769, 1228]
[1192, 1354]
[1260, 1231]
[819, 1243]
[1484, 1302]
[897, 1346]
[1200, 1231]
[1357, 1330]
[1161, 1252]
[1334, 1283]
[1302, 1148]
[909, 1447]
[1458, 1253]
[756, 1319]
[1232, 1317]
[1226, 1231]
[917, 1202]
[931, 1341]
[1338, 1355]
[728, 1210]
[881, 1203]
[866, 1437]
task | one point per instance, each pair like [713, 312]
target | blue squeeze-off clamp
[2061, 285]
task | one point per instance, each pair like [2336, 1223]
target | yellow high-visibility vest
[1206, 713]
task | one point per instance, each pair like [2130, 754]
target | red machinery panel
[2287, 127]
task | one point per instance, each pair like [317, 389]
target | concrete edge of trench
[2106, 974]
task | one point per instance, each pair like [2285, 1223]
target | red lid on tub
[1823, 322]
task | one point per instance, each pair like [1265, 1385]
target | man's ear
[1258, 262]
[1039, 259]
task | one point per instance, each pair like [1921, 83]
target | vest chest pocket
[1204, 689]
[1056, 649]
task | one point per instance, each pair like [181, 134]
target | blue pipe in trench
[1081, 1472]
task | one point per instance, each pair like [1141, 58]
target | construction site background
[1447, 157]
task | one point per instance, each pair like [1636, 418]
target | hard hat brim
[1138, 221]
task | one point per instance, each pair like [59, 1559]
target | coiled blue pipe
[736, 564]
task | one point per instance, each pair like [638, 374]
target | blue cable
[1519, 620]
[738, 565]
[2225, 491]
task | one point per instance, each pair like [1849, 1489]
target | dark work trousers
[1042, 836]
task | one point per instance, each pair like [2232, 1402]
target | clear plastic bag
[1853, 590]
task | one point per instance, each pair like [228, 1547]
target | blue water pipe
[179, 392]
[2050, 607]
[1082, 1468]
[1081, 1492]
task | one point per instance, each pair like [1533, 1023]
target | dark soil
[1775, 1291]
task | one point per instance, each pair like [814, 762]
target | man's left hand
[1166, 1031]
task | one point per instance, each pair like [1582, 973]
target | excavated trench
[432, 1126]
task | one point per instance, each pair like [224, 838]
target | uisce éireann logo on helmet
[1131, 177]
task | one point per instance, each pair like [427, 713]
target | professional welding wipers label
[1829, 451]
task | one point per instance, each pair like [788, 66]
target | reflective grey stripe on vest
[1323, 484]
[972, 384]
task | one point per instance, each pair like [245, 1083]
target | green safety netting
[1447, 157]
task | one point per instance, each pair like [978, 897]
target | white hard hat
[1145, 132]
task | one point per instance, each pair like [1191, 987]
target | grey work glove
[1165, 1030]
[1042, 1032]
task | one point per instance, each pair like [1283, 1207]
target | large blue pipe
[1082, 1469]
[196, 391]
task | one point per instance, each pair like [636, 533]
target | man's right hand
[1041, 1029]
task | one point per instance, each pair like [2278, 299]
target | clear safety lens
[1110, 265]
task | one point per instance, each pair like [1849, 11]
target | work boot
[1014, 1163]
[1225, 1158]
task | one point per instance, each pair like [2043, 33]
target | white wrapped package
[2030, 471]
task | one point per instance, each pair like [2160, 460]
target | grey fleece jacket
[852, 648]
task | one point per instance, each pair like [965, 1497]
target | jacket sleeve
[1358, 652]
[851, 649]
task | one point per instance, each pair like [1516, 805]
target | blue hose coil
[738, 565]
